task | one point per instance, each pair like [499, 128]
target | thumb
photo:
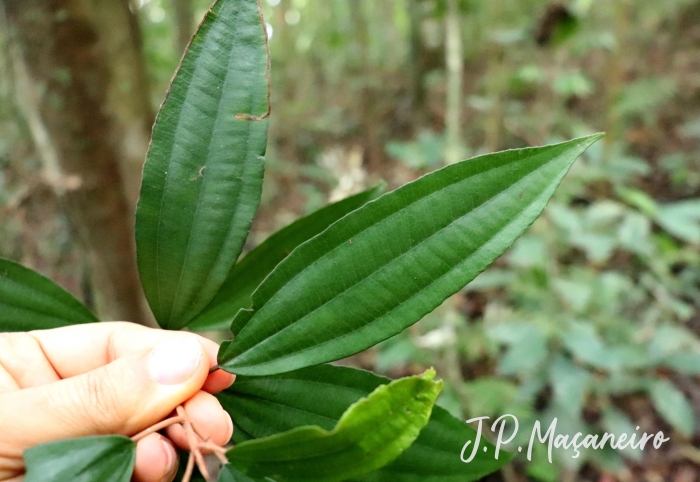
[123, 397]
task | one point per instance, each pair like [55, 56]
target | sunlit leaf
[370, 434]
[264, 406]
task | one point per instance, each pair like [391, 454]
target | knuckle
[18, 351]
[11, 341]
[5, 342]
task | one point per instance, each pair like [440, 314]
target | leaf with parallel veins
[384, 266]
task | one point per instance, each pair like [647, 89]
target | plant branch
[196, 446]
[157, 427]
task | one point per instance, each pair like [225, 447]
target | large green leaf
[248, 273]
[370, 434]
[384, 266]
[203, 174]
[105, 458]
[264, 406]
[29, 301]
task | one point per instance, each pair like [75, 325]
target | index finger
[78, 349]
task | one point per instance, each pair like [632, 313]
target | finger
[156, 460]
[124, 397]
[101, 343]
[24, 361]
[218, 381]
[209, 418]
[7, 383]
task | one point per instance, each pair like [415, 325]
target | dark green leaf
[105, 458]
[203, 174]
[264, 406]
[247, 274]
[29, 301]
[384, 266]
[370, 434]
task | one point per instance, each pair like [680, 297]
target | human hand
[107, 378]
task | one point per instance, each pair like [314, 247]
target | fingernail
[170, 459]
[175, 361]
[230, 425]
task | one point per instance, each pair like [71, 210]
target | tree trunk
[184, 24]
[81, 85]
[416, 65]
[454, 59]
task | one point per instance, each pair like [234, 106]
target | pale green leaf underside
[106, 458]
[264, 406]
[370, 434]
[673, 406]
[230, 474]
[29, 301]
[384, 266]
[203, 174]
[248, 273]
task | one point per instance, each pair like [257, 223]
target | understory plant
[328, 286]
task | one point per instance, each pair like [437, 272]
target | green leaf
[230, 474]
[203, 175]
[527, 351]
[29, 301]
[264, 406]
[681, 219]
[384, 266]
[370, 434]
[246, 275]
[617, 422]
[107, 458]
[686, 363]
[673, 406]
[570, 384]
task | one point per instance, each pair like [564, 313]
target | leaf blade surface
[30, 301]
[235, 294]
[108, 458]
[264, 406]
[371, 433]
[384, 266]
[203, 174]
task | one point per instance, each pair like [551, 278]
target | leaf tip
[592, 139]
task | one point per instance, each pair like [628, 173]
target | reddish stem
[196, 446]
[157, 427]
[193, 443]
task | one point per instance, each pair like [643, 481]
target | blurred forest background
[592, 317]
